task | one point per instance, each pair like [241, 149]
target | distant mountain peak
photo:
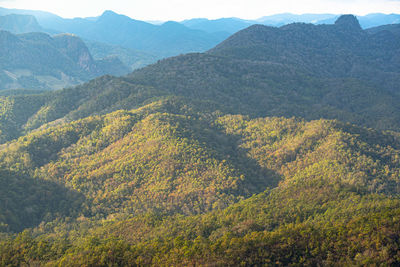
[109, 13]
[111, 17]
[349, 22]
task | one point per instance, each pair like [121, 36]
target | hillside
[150, 173]
[39, 61]
[339, 50]
[277, 147]
[261, 71]
[393, 28]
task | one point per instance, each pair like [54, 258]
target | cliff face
[37, 60]
[348, 22]
[75, 49]
[19, 23]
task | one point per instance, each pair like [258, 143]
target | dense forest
[272, 149]
[149, 187]
[326, 71]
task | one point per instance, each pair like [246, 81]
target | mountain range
[130, 38]
[278, 147]
[332, 71]
[227, 25]
[170, 38]
[367, 21]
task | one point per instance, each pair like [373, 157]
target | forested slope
[326, 178]
[217, 159]
[330, 71]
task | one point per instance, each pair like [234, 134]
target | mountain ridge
[256, 72]
[233, 157]
[199, 35]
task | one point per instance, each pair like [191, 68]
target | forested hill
[261, 71]
[234, 157]
[39, 61]
[148, 187]
[393, 28]
[339, 50]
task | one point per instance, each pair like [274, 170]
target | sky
[184, 9]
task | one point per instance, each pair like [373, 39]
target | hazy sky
[183, 9]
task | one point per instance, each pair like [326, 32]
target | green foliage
[293, 148]
[25, 201]
[156, 188]
[299, 70]
[132, 162]
[150, 169]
